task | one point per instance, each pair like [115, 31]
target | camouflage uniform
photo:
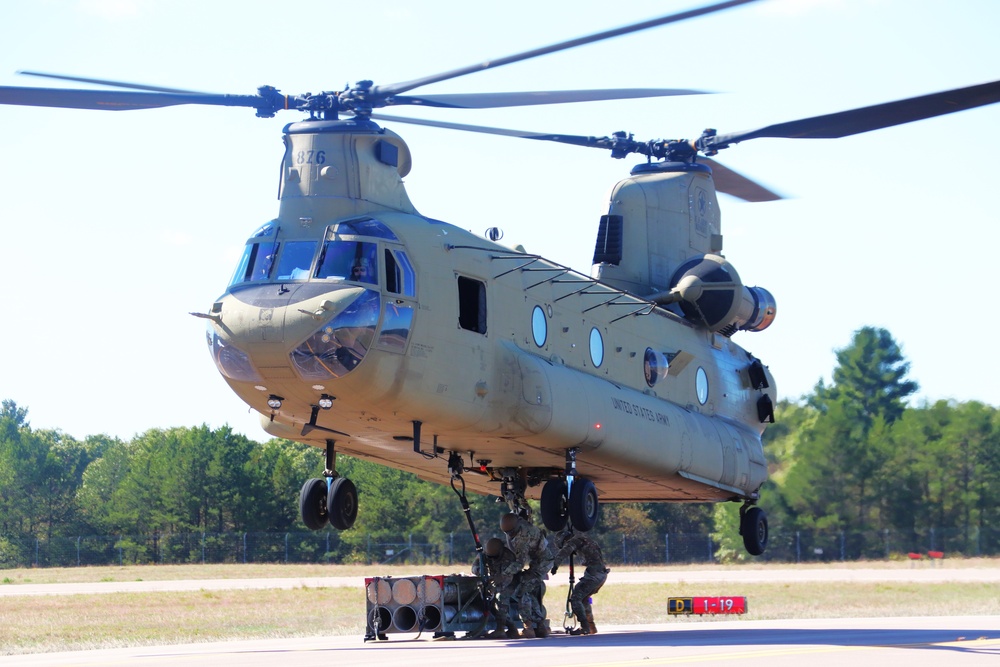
[503, 584]
[593, 578]
[531, 551]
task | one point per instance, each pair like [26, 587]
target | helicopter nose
[341, 343]
[321, 337]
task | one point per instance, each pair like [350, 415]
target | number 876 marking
[310, 157]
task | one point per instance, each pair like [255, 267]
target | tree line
[850, 462]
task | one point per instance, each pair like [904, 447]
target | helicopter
[620, 385]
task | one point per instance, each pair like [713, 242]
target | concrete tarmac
[910, 642]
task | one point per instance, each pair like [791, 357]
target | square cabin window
[472, 304]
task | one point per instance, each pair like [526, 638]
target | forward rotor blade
[531, 98]
[402, 87]
[737, 185]
[117, 100]
[106, 82]
[482, 129]
[865, 119]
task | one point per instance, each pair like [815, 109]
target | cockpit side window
[258, 256]
[349, 260]
[256, 263]
[263, 261]
[295, 260]
[399, 276]
[240, 274]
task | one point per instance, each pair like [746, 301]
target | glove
[553, 570]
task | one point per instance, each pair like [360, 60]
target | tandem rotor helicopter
[355, 324]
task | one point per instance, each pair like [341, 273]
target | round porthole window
[654, 366]
[701, 385]
[596, 347]
[539, 326]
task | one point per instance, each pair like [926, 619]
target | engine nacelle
[709, 291]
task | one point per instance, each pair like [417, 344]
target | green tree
[870, 377]
[40, 472]
[839, 475]
[944, 475]
[17, 470]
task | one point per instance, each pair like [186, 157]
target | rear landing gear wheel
[554, 505]
[312, 503]
[342, 503]
[753, 528]
[583, 504]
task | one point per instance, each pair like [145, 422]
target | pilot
[361, 272]
[496, 559]
[569, 543]
[532, 559]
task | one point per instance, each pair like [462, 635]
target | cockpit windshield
[295, 260]
[356, 261]
[341, 257]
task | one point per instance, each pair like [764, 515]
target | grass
[34, 624]
[87, 574]
[75, 575]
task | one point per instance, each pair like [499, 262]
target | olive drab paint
[493, 393]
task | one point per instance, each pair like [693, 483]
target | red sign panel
[707, 605]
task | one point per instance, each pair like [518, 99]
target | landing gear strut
[512, 489]
[333, 498]
[573, 499]
[753, 528]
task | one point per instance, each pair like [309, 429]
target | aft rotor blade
[106, 82]
[402, 87]
[530, 98]
[865, 119]
[118, 100]
[726, 180]
[737, 185]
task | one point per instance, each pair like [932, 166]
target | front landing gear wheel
[312, 503]
[553, 505]
[583, 504]
[342, 503]
[753, 528]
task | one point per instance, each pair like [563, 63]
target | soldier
[589, 551]
[497, 558]
[532, 558]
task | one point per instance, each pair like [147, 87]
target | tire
[583, 504]
[342, 503]
[553, 505]
[754, 531]
[312, 503]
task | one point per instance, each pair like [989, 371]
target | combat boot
[499, 633]
[542, 631]
[591, 628]
[527, 633]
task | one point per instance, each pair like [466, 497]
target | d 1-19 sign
[707, 605]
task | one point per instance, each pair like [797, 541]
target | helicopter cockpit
[343, 256]
[344, 268]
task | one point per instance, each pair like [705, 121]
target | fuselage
[509, 359]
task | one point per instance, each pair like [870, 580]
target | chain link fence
[356, 547]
